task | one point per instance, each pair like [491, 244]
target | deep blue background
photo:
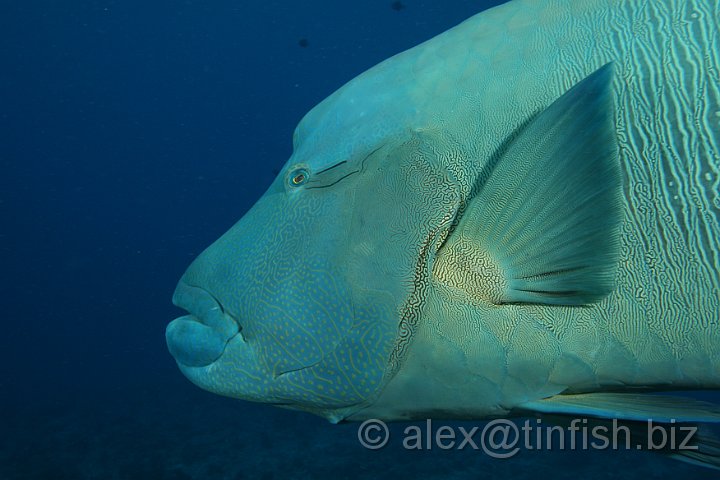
[132, 134]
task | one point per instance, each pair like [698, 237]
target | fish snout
[200, 338]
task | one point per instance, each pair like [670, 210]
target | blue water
[133, 134]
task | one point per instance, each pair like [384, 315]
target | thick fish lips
[198, 339]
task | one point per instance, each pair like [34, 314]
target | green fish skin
[520, 214]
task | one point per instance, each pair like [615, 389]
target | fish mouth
[200, 338]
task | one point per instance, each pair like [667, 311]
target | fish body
[522, 213]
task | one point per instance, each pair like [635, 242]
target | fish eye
[298, 177]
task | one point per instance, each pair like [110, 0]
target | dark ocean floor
[184, 433]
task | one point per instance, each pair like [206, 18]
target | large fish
[521, 214]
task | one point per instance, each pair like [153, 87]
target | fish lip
[189, 297]
[201, 338]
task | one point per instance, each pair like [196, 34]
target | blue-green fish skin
[525, 207]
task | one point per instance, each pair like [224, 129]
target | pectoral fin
[543, 224]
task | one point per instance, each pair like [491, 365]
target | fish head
[301, 303]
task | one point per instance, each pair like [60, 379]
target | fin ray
[629, 406]
[543, 223]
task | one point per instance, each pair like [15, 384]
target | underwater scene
[455, 239]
